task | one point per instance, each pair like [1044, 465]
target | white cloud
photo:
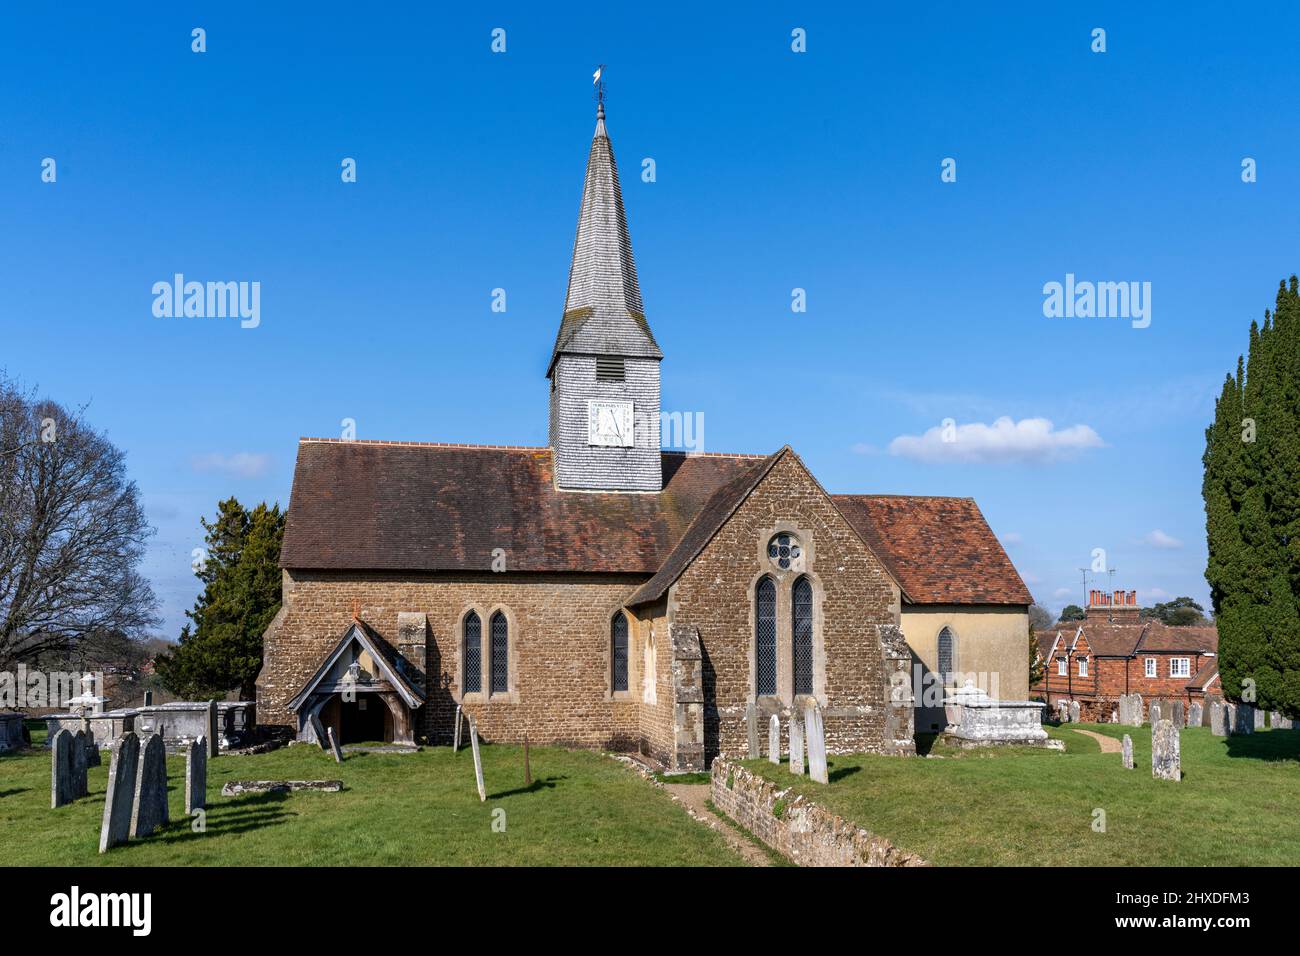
[1158, 539]
[1156, 594]
[243, 464]
[1034, 440]
[1062, 592]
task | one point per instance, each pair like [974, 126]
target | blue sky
[775, 170]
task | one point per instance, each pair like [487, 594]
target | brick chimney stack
[1119, 607]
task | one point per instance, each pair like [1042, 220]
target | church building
[602, 592]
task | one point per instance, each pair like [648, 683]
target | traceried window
[473, 654]
[765, 637]
[785, 552]
[801, 620]
[1151, 667]
[1180, 667]
[618, 653]
[500, 653]
[946, 654]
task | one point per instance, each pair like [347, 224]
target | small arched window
[618, 653]
[801, 620]
[947, 649]
[500, 653]
[765, 637]
[472, 654]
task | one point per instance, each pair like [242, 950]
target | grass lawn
[395, 809]
[1235, 805]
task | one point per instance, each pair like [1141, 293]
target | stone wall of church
[853, 593]
[560, 649]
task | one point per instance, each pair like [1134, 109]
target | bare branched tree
[72, 532]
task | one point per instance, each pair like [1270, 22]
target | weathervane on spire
[599, 84]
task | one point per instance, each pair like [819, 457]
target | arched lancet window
[765, 637]
[473, 654]
[618, 652]
[947, 646]
[500, 654]
[801, 621]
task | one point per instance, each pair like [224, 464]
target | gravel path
[1109, 745]
[694, 797]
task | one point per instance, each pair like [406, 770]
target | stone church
[601, 592]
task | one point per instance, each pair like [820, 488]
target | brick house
[602, 592]
[1115, 651]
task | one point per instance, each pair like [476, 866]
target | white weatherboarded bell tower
[604, 370]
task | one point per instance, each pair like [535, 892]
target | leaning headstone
[116, 825]
[1127, 752]
[751, 727]
[796, 746]
[196, 775]
[1278, 722]
[1195, 714]
[1165, 758]
[149, 809]
[1258, 714]
[816, 744]
[455, 739]
[1074, 711]
[61, 769]
[318, 731]
[1219, 718]
[478, 761]
[334, 746]
[774, 740]
[79, 784]
[1176, 713]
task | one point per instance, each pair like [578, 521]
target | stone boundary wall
[806, 833]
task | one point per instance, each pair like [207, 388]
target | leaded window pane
[765, 637]
[945, 654]
[801, 618]
[500, 654]
[473, 654]
[619, 652]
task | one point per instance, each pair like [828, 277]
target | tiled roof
[1208, 671]
[1127, 639]
[403, 506]
[1160, 637]
[603, 313]
[1112, 640]
[940, 550]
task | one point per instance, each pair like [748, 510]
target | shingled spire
[604, 369]
[603, 314]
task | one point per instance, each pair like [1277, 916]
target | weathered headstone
[1114, 715]
[80, 762]
[196, 775]
[149, 809]
[334, 745]
[1243, 719]
[455, 737]
[1219, 718]
[213, 735]
[1176, 713]
[751, 728]
[478, 761]
[1278, 722]
[1127, 752]
[1157, 712]
[1062, 710]
[318, 731]
[93, 758]
[1195, 714]
[1165, 758]
[61, 769]
[1074, 711]
[796, 746]
[116, 825]
[774, 740]
[1258, 714]
[816, 744]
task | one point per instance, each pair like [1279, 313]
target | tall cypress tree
[1252, 507]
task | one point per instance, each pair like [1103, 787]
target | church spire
[603, 314]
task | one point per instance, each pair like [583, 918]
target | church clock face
[609, 424]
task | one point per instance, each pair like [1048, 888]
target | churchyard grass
[395, 809]
[1031, 807]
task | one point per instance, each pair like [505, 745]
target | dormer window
[609, 368]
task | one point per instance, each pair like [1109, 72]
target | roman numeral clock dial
[609, 424]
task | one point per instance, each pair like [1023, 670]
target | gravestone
[751, 727]
[774, 740]
[1127, 752]
[1219, 718]
[455, 737]
[1258, 714]
[1074, 711]
[1114, 715]
[1195, 714]
[1062, 710]
[1157, 712]
[816, 744]
[1278, 722]
[213, 735]
[79, 786]
[796, 746]
[478, 761]
[148, 698]
[196, 775]
[318, 731]
[1243, 720]
[93, 758]
[61, 769]
[116, 825]
[1176, 714]
[1165, 758]
[334, 746]
[149, 808]
[1126, 709]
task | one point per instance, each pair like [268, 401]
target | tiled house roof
[1160, 637]
[1206, 675]
[941, 550]
[603, 313]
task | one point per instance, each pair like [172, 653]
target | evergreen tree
[241, 594]
[1251, 489]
